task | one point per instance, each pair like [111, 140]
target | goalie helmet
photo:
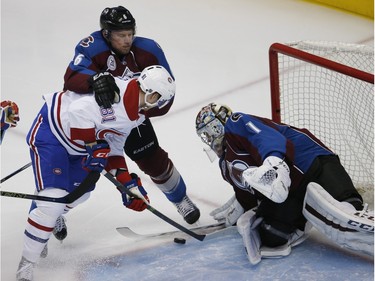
[157, 79]
[117, 18]
[209, 125]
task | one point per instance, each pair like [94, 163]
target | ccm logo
[363, 226]
[101, 154]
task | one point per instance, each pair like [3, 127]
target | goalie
[285, 181]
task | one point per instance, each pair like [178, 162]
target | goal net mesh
[336, 107]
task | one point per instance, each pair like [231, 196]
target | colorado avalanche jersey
[93, 55]
[75, 119]
[250, 139]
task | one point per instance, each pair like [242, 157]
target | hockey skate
[25, 270]
[188, 210]
[60, 231]
[44, 253]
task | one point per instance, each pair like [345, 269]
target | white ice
[218, 51]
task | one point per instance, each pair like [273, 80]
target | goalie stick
[210, 231]
[89, 181]
[128, 232]
[122, 188]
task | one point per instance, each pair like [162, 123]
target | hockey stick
[89, 181]
[15, 172]
[122, 188]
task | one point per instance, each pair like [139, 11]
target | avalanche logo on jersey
[111, 63]
[235, 169]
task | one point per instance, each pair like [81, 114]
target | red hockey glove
[9, 114]
[133, 183]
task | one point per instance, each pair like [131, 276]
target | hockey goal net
[328, 88]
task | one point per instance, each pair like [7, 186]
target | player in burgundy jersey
[282, 177]
[115, 51]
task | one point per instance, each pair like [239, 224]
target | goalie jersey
[250, 139]
[75, 118]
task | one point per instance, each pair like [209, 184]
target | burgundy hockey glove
[97, 158]
[105, 89]
[133, 183]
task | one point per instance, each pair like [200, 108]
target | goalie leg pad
[247, 226]
[294, 239]
[338, 220]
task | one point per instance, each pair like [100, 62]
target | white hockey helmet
[209, 125]
[156, 78]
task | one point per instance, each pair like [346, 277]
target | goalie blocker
[339, 221]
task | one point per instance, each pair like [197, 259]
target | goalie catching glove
[271, 179]
[133, 183]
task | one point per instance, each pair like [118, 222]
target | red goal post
[328, 88]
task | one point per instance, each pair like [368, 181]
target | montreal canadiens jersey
[250, 139]
[75, 118]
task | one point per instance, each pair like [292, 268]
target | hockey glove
[98, 155]
[105, 89]
[271, 179]
[9, 114]
[134, 185]
[229, 212]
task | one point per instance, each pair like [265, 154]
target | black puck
[179, 240]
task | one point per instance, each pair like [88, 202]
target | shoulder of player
[81, 102]
[93, 44]
[130, 92]
[145, 44]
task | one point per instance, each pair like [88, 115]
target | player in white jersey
[71, 137]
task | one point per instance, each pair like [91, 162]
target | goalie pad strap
[275, 231]
[328, 222]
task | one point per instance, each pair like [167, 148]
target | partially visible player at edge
[72, 140]
[9, 116]
[115, 51]
[285, 180]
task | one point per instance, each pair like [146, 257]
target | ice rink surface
[218, 51]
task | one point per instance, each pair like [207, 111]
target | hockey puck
[179, 240]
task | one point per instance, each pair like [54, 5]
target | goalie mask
[209, 125]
